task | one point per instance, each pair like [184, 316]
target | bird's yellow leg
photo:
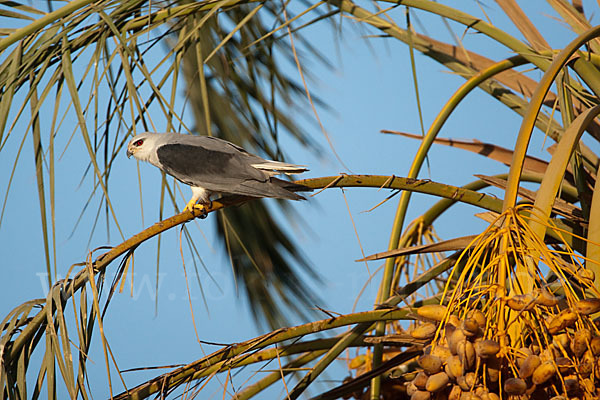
[190, 205]
[203, 208]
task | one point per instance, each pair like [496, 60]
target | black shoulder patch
[192, 160]
[199, 166]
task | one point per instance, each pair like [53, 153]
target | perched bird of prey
[211, 165]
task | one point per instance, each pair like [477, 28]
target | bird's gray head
[143, 146]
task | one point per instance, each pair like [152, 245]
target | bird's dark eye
[138, 143]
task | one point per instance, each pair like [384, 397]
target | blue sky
[370, 88]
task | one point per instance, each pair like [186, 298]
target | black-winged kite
[211, 165]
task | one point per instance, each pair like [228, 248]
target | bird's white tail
[280, 167]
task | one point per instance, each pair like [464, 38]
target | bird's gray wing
[215, 144]
[272, 188]
[218, 171]
[201, 166]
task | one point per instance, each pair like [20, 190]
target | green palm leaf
[235, 91]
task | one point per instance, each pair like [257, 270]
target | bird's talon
[190, 209]
[203, 209]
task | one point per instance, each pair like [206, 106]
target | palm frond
[241, 94]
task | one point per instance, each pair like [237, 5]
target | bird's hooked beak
[129, 153]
